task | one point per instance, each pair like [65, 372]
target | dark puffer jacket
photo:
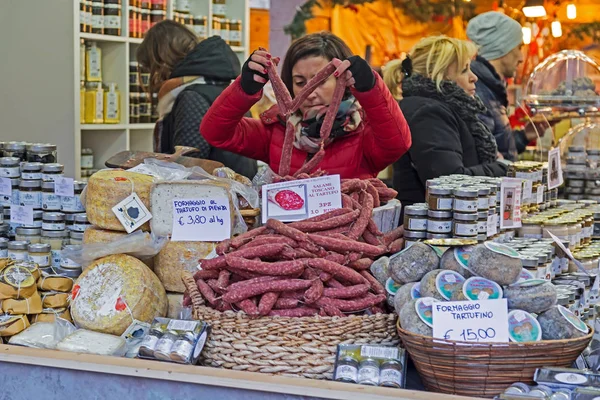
[492, 92]
[213, 60]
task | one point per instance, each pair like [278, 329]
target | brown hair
[324, 44]
[165, 45]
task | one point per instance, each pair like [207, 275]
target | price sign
[510, 203]
[471, 321]
[21, 215]
[5, 187]
[566, 250]
[64, 186]
[555, 175]
[301, 199]
[201, 220]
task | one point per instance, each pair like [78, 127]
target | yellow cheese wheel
[115, 290]
[107, 188]
[177, 257]
[93, 235]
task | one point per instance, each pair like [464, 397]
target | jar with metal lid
[112, 19]
[346, 370]
[144, 78]
[80, 223]
[31, 171]
[97, 17]
[50, 200]
[574, 229]
[531, 228]
[87, 158]
[219, 8]
[493, 195]
[482, 220]
[163, 347]
[216, 25]
[134, 108]
[440, 198]
[9, 167]
[466, 200]
[76, 237]
[145, 108]
[31, 235]
[235, 32]
[56, 240]
[483, 198]
[558, 228]
[149, 342]
[7, 201]
[30, 194]
[16, 149]
[182, 6]
[12, 226]
[158, 4]
[73, 203]
[39, 253]
[415, 218]
[439, 221]
[17, 250]
[51, 171]
[134, 77]
[465, 225]
[69, 267]
[41, 152]
[69, 220]
[391, 374]
[225, 30]
[157, 16]
[368, 372]
[411, 237]
[183, 347]
[4, 231]
[3, 246]
[53, 221]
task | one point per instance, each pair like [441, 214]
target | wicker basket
[299, 347]
[485, 369]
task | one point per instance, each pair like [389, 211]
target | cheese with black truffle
[411, 264]
[534, 295]
[457, 259]
[403, 295]
[115, 290]
[417, 316]
[559, 323]
[496, 262]
[177, 257]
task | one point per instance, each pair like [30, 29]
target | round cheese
[107, 188]
[177, 257]
[411, 264]
[115, 290]
[413, 315]
[559, 323]
[534, 295]
[95, 235]
[496, 262]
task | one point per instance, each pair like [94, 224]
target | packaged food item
[416, 316]
[477, 288]
[457, 259]
[523, 327]
[496, 262]
[373, 365]
[16, 282]
[90, 342]
[42, 335]
[534, 295]
[559, 323]
[57, 283]
[12, 324]
[411, 264]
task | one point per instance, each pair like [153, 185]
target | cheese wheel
[115, 290]
[107, 188]
[164, 192]
[95, 235]
[177, 257]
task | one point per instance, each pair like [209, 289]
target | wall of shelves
[40, 77]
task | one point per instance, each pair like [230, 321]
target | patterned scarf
[466, 107]
[347, 120]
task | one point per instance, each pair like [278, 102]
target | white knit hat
[495, 33]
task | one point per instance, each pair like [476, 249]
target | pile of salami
[316, 266]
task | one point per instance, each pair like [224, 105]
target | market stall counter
[64, 375]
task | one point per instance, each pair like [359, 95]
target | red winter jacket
[383, 138]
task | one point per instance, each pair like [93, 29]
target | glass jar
[4, 229]
[80, 223]
[17, 250]
[163, 347]
[440, 198]
[112, 104]
[346, 370]
[37, 220]
[182, 6]
[50, 200]
[482, 219]
[219, 8]
[466, 200]
[87, 158]
[9, 167]
[31, 171]
[183, 347]
[31, 235]
[391, 374]
[134, 108]
[574, 229]
[16, 149]
[53, 221]
[56, 240]
[72, 204]
[558, 228]
[225, 30]
[76, 238]
[154, 114]
[235, 32]
[465, 225]
[7, 201]
[483, 198]
[145, 108]
[30, 194]
[44, 153]
[12, 226]
[200, 28]
[40, 254]
[415, 218]
[69, 220]
[159, 4]
[69, 267]
[97, 17]
[157, 16]
[3, 246]
[144, 79]
[439, 221]
[216, 25]
[531, 228]
[134, 77]
[368, 372]
[112, 19]
[149, 342]
[493, 196]
[51, 171]
[411, 237]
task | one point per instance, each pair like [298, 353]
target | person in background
[442, 111]
[392, 76]
[188, 76]
[369, 132]
[499, 39]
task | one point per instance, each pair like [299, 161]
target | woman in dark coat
[442, 110]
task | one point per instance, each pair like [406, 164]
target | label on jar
[417, 224]
[17, 255]
[183, 349]
[224, 34]
[99, 106]
[32, 199]
[219, 9]
[71, 204]
[12, 228]
[346, 372]
[42, 260]
[465, 229]
[164, 345]
[532, 235]
[67, 262]
[87, 161]
[149, 342]
[184, 6]
[79, 227]
[53, 226]
[390, 375]
[483, 203]
[482, 226]
[82, 15]
[50, 177]
[50, 202]
[444, 203]
[3, 253]
[201, 31]
[465, 205]
[37, 223]
[97, 21]
[56, 257]
[439, 226]
[112, 22]
[368, 374]
[33, 176]
[112, 106]
[235, 36]
[492, 201]
[10, 172]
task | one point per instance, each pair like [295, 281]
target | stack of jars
[538, 197]
[582, 174]
[142, 104]
[143, 14]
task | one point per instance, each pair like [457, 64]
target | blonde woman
[442, 110]
[393, 74]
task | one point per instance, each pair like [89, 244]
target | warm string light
[571, 11]
[526, 34]
[556, 28]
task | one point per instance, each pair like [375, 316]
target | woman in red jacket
[369, 132]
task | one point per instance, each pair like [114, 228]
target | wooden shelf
[103, 127]
[102, 38]
[141, 126]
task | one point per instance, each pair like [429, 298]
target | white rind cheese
[84, 341]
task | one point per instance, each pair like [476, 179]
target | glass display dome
[565, 81]
[585, 135]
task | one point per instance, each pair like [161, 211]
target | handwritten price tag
[471, 321]
[5, 187]
[201, 220]
[21, 215]
[64, 186]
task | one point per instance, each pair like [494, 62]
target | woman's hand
[358, 71]
[254, 71]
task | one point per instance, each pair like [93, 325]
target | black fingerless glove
[249, 85]
[364, 78]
